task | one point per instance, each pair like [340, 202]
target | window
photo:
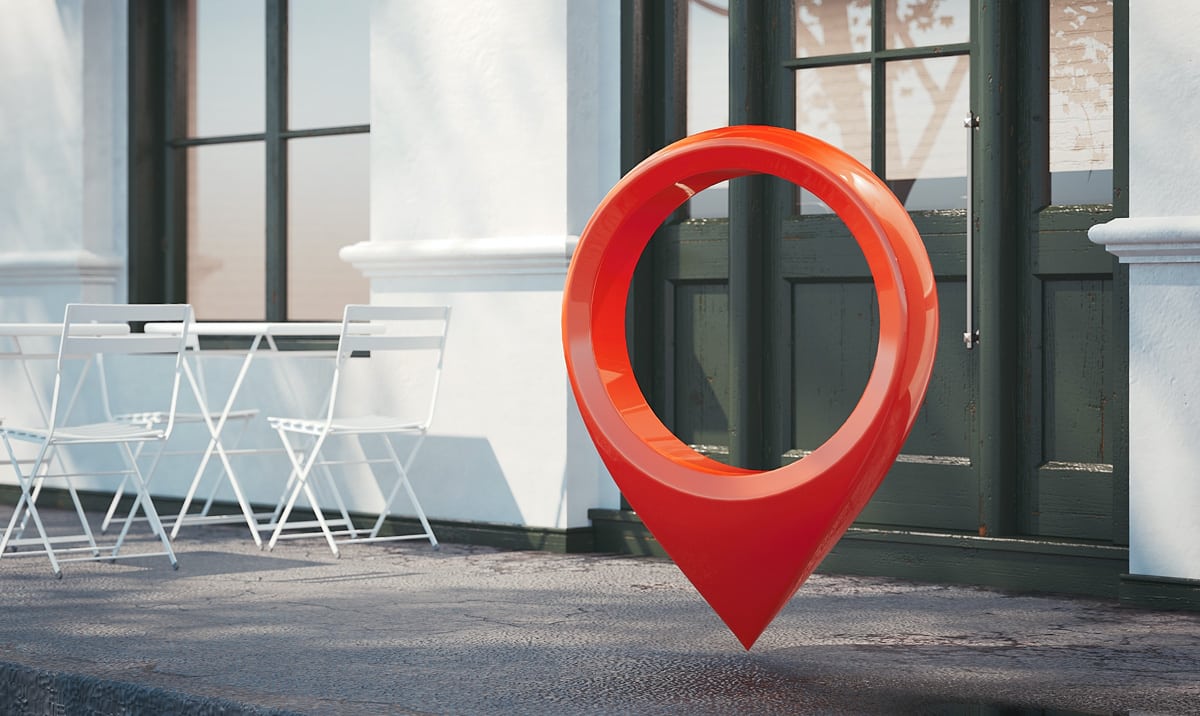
[890, 90]
[258, 134]
[1081, 102]
[708, 89]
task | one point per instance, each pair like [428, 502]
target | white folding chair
[419, 333]
[159, 391]
[215, 421]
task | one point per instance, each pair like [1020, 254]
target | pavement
[399, 628]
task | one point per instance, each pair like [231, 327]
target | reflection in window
[226, 210]
[923, 99]
[1081, 101]
[328, 207]
[329, 63]
[708, 89]
[228, 68]
[828, 27]
[324, 54]
[926, 143]
[921, 23]
[834, 104]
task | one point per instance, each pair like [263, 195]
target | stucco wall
[494, 131]
[62, 155]
[1164, 96]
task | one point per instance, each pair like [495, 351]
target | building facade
[277, 160]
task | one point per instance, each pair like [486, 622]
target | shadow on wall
[460, 478]
[456, 478]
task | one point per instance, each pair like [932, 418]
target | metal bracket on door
[971, 335]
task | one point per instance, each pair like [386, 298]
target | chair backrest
[376, 329]
[80, 340]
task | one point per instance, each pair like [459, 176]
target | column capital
[55, 267]
[1150, 239]
[498, 256]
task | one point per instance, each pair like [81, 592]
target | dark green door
[762, 344]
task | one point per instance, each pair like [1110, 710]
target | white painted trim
[51, 267]
[501, 256]
[1157, 239]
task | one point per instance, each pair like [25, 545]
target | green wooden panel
[1078, 385]
[933, 484]
[924, 494]
[1071, 494]
[1063, 248]
[822, 247]
[697, 250]
[944, 426]
[835, 330]
[1027, 565]
[699, 360]
[1074, 503]
[1074, 382]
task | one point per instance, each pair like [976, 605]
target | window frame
[158, 142]
[877, 58]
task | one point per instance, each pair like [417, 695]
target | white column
[1161, 243]
[62, 155]
[63, 189]
[494, 133]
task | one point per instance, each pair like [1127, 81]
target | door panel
[1018, 433]
[835, 329]
[1074, 382]
[700, 365]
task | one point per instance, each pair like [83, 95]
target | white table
[263, 337]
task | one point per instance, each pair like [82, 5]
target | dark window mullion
[285, 134]
[326, 131]
[878, 89]
[224, 139]
[276, 159]
[858, 58]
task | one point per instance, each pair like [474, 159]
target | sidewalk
[398, 628]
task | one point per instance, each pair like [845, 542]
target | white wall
[62, 155]
[1164, 96]
[1161, 242]
[494, 134]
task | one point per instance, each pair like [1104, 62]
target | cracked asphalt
[398, 628]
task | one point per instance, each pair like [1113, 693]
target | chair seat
[357, 424]
[159, 417]
[93, 432]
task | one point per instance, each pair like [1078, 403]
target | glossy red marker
[747, 539]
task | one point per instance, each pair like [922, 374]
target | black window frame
[158, 144]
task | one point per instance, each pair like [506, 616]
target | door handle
[971, 335]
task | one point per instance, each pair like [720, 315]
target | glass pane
[834, 104]
[1081, 102]
[329, 63]
[927, 101]
[328, 208]
[226, 245]
[921, 23]
[832, 27]
[228, 79]
[708, 89]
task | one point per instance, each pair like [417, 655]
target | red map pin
[747, 539]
